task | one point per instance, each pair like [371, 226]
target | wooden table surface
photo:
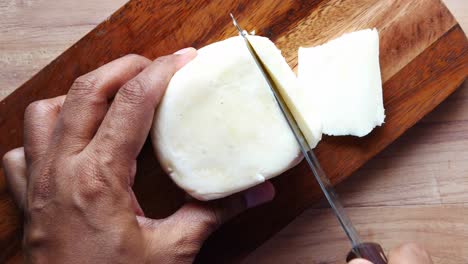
[415, 190]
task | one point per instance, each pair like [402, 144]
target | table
[415, 190]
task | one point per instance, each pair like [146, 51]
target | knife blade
[367, 250]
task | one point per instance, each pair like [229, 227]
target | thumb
[183, 233]
[406, 253]
[200, 219]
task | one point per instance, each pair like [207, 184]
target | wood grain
[29, 42]
[325, 242]
[425, 168]
[33, 33]
[434, 62]
[459, 9]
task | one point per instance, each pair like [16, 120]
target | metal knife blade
[312, 161]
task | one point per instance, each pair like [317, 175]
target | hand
[73, 177]
[409, 253]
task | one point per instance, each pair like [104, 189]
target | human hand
[74, 175]
[408, 253]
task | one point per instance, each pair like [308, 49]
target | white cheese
[305, 113]
[341, 80]
[218, 129]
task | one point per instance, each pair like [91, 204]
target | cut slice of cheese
[341, 80]
[218, 129]
[305, 114]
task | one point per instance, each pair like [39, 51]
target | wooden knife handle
[370, 251]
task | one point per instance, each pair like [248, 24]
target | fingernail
[183, 51]
[259, 194]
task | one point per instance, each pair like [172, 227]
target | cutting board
[423, 56]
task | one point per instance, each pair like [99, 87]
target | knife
[367, 250]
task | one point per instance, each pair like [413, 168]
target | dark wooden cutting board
[423, 56]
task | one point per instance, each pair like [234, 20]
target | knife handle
[370, 251]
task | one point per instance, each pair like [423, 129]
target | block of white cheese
[218, 129]
[341, 80]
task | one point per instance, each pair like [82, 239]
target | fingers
[185, 231]
[202, 219]
[409, 253]
[14, 164]
[127, 123]
[189, 227]
[406, 253]
[39, 122]
[88, 99]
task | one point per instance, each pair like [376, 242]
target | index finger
[87, 101]
[127, 123]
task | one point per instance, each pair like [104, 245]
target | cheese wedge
[305, 113]
[341, 80]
